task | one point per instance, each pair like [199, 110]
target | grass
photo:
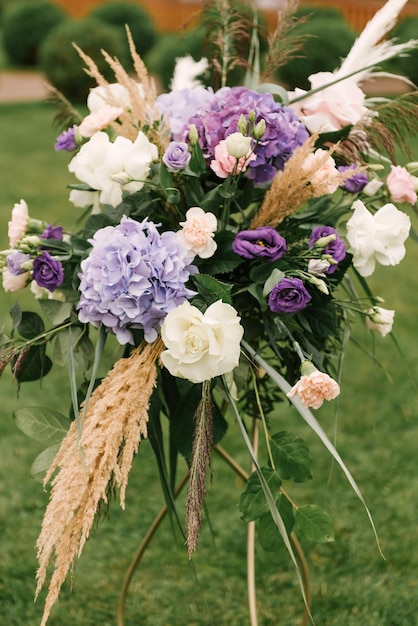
[377, 434]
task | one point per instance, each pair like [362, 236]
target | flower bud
[260, 129]
[122, 178]
[30, 243]
[319, 284]
[193, 135]
[242, 124]
[251, 116]
[322, 242]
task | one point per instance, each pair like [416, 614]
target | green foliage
[61, 63]
[25, 25]
[121, 14]
[327, 39]
[161, 59]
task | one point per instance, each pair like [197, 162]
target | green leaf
[56, 312]
[274, 278]
[31, 325]
[268, 534]
[212, 290]
[224, 260]
[253, 503]
[166, 178]
[83, 349]
[33, 366]
[42, 424]
[16, 315]
[43, 461]
[279, 93]
[314, 523]
[291, 457]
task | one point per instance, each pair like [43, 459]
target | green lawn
[377, 437]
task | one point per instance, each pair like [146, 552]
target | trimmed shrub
[140, 23]
[326, 41]
[25, 25]
[62, 64]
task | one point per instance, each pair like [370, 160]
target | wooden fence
[173, 15]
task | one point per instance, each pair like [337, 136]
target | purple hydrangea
[264, 242]
[289, 296]
[132, 278]
[218, 117]
[355, 183]
[52, 232]
[15, 260]
[47, 272]
[67, 140]
[180, 105]
[177, 156]
[335, 248]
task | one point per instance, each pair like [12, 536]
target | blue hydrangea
[132, 278]
[219, 116]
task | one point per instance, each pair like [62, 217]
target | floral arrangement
[225, 240]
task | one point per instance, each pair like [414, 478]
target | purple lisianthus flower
[15, 260]
[335, 248]
[132, 278]
[218, 117]
[177, 156]
[52, 232]
[47, 272]
[264, 242]
[66, 140]
[289, 296]
[355, 183]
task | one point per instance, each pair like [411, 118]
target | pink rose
[330, 108]
[95, 122]
[198, 231]
[314, 387]
[225, 164]
[12, 282]
[400, 185]
[18, 223]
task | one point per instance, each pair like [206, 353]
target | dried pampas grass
[92, 462]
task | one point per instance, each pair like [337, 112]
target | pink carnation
[95, 122]
[18, 223]
[315, 387]
[198, 231]
[400, 185]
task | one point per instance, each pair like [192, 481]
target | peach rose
[314, 387]
[401, 185]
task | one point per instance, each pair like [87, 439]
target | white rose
[114, 94]
[198, 231]
[380, 319]
[99, 160]
[18, 223]
[200, 345]
[379, 237]
[238, 146]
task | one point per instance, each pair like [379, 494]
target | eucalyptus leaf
[42, 424]
[43, 461]
[253, 503]
[56, 312]
[83, 349]
[314, 523]
[291, 457]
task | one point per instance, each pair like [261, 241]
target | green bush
[25, 25]
[62, 64]
[326, 41]
[408, 65]
[140, 23]
[162, 57]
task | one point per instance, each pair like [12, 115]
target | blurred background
[376, 417]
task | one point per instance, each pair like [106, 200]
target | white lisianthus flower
[100, 119]
[18, 223]
[186, 72]
[99, 160]
[378, 318]
[372, 187]
[379, 237]
[200, 345]
[198, 231]
[13, 282]
[238, 145]
[114, 94]
[318, 267]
